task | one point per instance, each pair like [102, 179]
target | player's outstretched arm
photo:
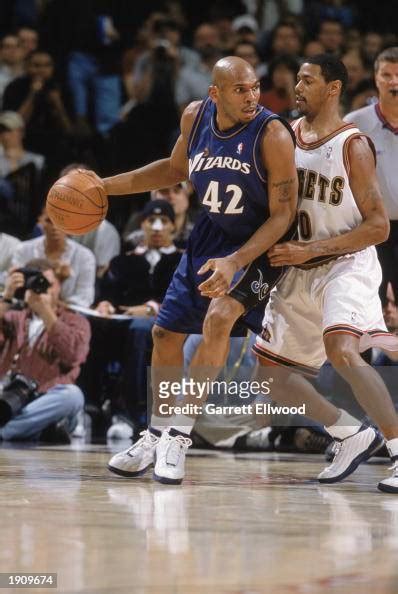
[374, 228]
[159, 174]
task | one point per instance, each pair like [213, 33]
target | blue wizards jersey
[227, 172]
[231, 182]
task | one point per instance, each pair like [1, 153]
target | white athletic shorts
[338, 297]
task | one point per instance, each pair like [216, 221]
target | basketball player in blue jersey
[240, 159]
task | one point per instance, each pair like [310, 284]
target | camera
[160, 49]
[34, 280]
[16, 391]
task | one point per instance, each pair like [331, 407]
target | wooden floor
[240, 524]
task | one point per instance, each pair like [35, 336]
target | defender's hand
[219, 282]
[289, 253]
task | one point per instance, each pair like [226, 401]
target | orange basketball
[76, 203]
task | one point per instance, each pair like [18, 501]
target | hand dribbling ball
[77, 203]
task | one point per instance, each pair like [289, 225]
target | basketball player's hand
[93, 175]
[219, 282]
[289, 253]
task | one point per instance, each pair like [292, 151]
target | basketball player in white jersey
[327, 305]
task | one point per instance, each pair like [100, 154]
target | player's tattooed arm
[282, 186]
[283, 189]
[373, 229]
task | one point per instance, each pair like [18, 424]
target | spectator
[178, 196]
[142, 276]
[8, 245]
[159, 66]
[75, 264]
[194, 84]
[352, 41]
[245, 28]
[86, 42]
[248, 51]
[165, 39]
[371, 47]
[39, 100]
[272, 12]
[331, 36]
[390, 311]
[11, 61]
[318, 11]
[281, 97]
[47, 343]
[104, 242]
[135, 284]
[14, 155]
[364, 94]
[357, 73]
[312, 48]
[28, 39]
[285, 40]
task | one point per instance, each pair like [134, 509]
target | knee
[218, 321]
[76, 397]
[71, 400]
[342, 356]
[164, 338]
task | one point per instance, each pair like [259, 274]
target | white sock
[345, 426]
[182, 423]
[392, 447]
[160, 423]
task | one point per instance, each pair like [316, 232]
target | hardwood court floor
[240, 524]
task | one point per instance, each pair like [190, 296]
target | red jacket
[55, 357]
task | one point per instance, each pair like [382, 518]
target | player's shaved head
[231, 68]
[235, 90]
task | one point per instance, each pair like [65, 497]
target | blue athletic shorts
[184, 309]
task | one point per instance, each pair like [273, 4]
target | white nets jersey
[327, 207]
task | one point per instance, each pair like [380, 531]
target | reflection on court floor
[249, 524]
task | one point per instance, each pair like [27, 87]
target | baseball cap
[11, 120]
[158, 207]
[245, 21]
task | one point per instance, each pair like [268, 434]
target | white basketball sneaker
[170, 457]
[349, 454]
[137, 458]
[390, 485]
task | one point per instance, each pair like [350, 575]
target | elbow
[382, 231]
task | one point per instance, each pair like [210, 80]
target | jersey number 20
[212, 194]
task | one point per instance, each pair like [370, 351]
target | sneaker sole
[126, 473]
[362, 457]
[387, 488]
[165, 480]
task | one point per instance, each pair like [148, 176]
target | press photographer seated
[42, 344]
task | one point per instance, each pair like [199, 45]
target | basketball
[76, 203]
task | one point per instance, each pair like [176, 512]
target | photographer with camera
[41, 349]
